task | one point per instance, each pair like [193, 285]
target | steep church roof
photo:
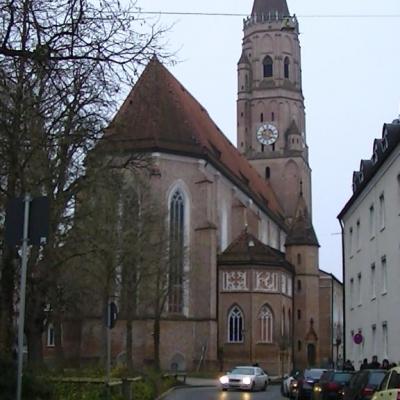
[159, 114]
[265, 7]
[301, 231]
[247, 249]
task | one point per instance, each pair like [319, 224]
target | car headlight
[246, 380]
[317, 389]
[224, 379]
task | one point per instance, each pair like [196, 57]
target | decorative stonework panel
[235, 281]
[267, 281]
[283, 284]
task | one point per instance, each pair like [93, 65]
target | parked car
[246, 378]
[289, 384]
[306, 381]
[363, 384]
[389, 389]
[331, 385]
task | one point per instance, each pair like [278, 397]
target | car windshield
[243, 371]
[313, 373]
[375, 378]
[342, 377]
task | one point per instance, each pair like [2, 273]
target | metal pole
[108, 349]
[21, 317]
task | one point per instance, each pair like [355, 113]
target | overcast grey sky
[351, 84]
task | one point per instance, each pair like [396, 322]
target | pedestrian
[348, 366]
[385, 364]
[375, 363]
[364, 364]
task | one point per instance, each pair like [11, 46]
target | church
[254, 293]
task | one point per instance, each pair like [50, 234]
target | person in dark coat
[364, 364]
[374, 364]
[385, 364]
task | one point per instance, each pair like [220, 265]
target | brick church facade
[245, 214]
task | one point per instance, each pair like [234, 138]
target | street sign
[38, 225]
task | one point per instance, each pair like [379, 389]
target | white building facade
[371, 243]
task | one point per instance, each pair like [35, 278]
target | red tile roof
[159, 114]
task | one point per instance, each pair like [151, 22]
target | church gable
[161, 115]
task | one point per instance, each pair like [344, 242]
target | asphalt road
[209, 393]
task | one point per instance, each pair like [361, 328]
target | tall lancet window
[176, 254]
[266, 324]
[235, 325]
[268, 65]
[286, 67]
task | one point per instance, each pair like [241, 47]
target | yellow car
[389, 389]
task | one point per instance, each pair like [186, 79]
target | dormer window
[375, 158]
[361, 176]
[268, 67]
[384, 143]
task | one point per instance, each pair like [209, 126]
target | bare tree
[62, 67]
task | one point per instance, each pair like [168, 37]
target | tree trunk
[157, 343]
[129, 360]
[7, 285]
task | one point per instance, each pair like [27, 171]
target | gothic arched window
[268, 65]
[176, 253]
[267, 172]
[286, 67]
[266, 324]
[235, 325]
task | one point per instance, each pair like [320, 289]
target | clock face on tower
[267, 133]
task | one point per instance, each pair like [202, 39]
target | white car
[245, 378]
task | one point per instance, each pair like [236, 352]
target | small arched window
[176, 237]
[298, 285]
[268, 66]
[267, 172]
[266, 324]
[262, 117]
[286, 67]
[235, 325]
[298, 258]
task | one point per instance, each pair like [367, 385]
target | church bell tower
[270, 104]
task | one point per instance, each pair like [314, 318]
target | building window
[381, 211]
[283, 324]
[384, 275]
[298, 285]
[235, 326]
[176, 252]
[351, 292]
[268, 67]
[373, 283]
[358, 240]
[273, 118]
[267, 172]
[298, 259]
[286, 68]
[298, 314]
[266, 324]
[299, 345]
[50, 335]
[289, 323]
[262, 117]
[385, 340]
[351, 241]
[373, 339]
[372, 221]
[359, 290]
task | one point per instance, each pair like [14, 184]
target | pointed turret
[301, 230]
[270, 7]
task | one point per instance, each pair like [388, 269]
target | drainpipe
[344, 297]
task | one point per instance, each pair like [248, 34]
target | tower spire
[265, 7]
